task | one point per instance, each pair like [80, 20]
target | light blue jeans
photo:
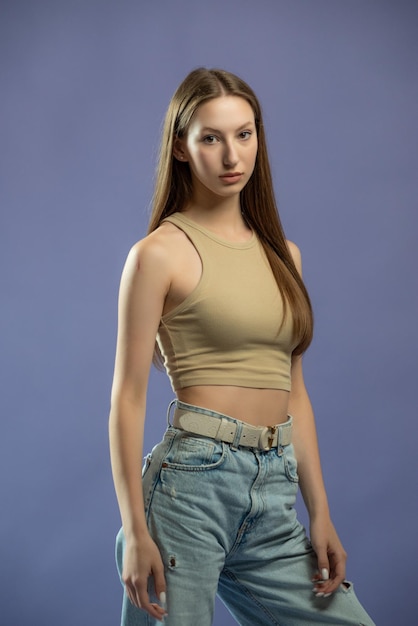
[224, 521]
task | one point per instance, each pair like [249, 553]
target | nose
[230, 156]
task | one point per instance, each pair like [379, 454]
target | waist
[259, 407]
[208, 423]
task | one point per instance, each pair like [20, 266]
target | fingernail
[163, 600]
[319, 594]
[327, 595]
[324, 574]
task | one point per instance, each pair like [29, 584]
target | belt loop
[283, 438]
[169, 410]
[279, 437]
[237, 435]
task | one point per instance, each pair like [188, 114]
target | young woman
[220, 289]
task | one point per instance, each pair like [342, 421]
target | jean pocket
[194, 453]
[146, 464]
[290, 464]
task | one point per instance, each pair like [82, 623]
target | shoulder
[156, 248]
[155, 258]
[296, 255]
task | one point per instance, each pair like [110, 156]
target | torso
[265, 407]
[261, 407]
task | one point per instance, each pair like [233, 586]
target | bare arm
[330, 553]
[306, 444]
[144, 285]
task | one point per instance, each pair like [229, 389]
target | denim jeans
[224, 521]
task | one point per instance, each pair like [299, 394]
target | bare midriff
[260, 407]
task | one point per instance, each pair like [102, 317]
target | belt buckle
[267, 437]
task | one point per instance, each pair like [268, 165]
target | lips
[231, 177]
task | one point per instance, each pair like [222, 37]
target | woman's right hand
[142, 559]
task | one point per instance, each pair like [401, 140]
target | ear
[179, 150]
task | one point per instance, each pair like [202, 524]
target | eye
[245, 135]
[210, 139]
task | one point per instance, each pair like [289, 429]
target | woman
[219, 287]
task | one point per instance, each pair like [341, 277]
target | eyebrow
[208, 129]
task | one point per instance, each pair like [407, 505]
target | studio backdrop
[84, 86]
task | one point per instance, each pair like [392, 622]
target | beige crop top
[226, 331]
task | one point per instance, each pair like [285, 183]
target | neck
[216, 212]
[226, 222]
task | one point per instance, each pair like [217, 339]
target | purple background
[83, 89]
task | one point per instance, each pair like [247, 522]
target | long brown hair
[173, 188]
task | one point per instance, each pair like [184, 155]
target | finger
[321, 585]
[160, 585]
[138, 594]
[163, 601]
[159, 612]
[154, 609]
[326, 586]
[338, 574]
[323, 567]
[131, 593]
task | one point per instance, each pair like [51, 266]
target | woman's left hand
[330, 554]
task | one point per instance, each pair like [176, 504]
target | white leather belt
[221, 429]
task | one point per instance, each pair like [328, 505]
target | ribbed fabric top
[226, 332]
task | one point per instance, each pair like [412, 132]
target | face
[220, 146]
